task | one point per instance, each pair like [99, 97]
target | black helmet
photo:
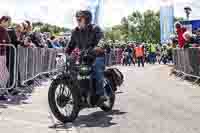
[86, 14]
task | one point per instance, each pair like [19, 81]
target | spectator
[55, 43]
[29, 26]
[44, 40]
[30, 39]
[180, 31]
[52, 41]
[187, 36]
[4, 24]
[62, 42]
[139, 52]
[164, 54]
[19, 30]
[129, 51]
[25, 36]
[174, 43]
[198, 36]
[49, 43]
[25, 30]
[189, 39]
[4, 39]
[28, 42]
[108, 55]
[152, 53]
[37, 39]
[15, 37]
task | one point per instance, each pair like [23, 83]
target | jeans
[99, 67]
[129, 59]
[107, 59]
[152, 58]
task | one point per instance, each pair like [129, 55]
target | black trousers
[10, 58]
[140, 60]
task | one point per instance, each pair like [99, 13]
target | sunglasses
[79, 19]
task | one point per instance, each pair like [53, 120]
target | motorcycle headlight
[85, 70]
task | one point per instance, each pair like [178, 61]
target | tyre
[58, 103]
[108, 105]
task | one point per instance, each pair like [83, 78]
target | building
[166, 20]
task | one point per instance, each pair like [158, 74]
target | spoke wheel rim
[63, 90]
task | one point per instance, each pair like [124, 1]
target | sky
[61, 12]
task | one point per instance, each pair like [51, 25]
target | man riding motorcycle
[86, 36]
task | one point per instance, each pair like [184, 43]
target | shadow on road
[3, 106]
[119, 92]
[14, 100]
[22, 94]
[96, 119]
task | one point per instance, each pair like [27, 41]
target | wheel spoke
[68, 109]
[57, 93]
[63, 90]
[67, 93]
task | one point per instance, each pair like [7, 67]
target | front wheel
[63, 100]
[108, 105]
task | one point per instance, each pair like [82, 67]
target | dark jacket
[85, 38]
[5, 39]
[36, 39]
[13, 37]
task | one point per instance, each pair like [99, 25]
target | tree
[138, 26]
[178, 19]
[44, 27]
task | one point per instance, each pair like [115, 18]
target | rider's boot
[101, 100]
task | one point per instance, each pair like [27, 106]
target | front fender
[64, 76]
[69, 80]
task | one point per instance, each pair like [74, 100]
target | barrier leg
[195, 81]
[183, 77]
[179, 74]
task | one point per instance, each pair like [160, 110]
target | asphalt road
[150, 101]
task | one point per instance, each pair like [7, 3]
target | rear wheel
[110, 94]
[63, 100]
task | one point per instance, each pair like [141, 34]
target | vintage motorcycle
[74, 89]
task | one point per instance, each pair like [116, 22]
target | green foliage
[13, 24]
[141, 27]
[178, 19]
[43, 27]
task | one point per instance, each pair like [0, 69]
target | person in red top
[139, 53]
[4, 39]
[180, 31]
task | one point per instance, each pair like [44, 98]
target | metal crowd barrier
[7, 66]
[20, 64]
[33, 62]
[113, 58]
[187, 61]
